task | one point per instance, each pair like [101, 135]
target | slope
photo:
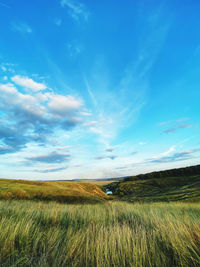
[71, 192]
[158, 186]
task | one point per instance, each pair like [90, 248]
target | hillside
[173, 185]
[59, 191]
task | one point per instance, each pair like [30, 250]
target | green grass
[70, 192]
[110, 234]
[183, 188]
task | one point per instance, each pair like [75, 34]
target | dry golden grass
[55, 190]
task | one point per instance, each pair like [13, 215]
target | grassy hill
[158, 186]
[71, 192]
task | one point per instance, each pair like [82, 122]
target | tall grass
[110, 234]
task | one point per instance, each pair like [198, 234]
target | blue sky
[94, 89]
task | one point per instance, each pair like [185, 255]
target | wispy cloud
[183, 119]
[142, 143]
[110, 149]
[119, 108]
[112, 157]
[51, 170]
[179, 156]
[134, 153]
[58, 21]
[76, 10]
[64, 148]
[21, 27]
[90, 92]
[177, 127]
[74, 48]
[7, 67]
[4, 5]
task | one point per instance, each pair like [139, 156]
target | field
[70, 192]
[35, 233]
[153, 220]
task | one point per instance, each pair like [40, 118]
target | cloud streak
[4, 5]
[179, 156]
[112, 157]
[175, 128]
[51, 170]
[57, 21]
[21, 27]
[53, 158]
[109, 149]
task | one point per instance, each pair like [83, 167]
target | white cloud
[28, 83]
[64, 104]
[170, 150]
[164, 154]
[12, 99]
[37, 117]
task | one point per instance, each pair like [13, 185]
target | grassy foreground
[109, 234]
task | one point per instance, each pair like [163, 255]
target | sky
[98, 89]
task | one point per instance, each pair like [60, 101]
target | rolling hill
[172, 185]
[71, 192]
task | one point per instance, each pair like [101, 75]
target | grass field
[110, 234]
[60, 191]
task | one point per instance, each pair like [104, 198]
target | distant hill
[100, 182]
[98, 179]
[170, 185]
[71, 192]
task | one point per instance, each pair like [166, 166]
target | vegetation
[109, 234]
[157, 187]
[69, 192]
[180, 172]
